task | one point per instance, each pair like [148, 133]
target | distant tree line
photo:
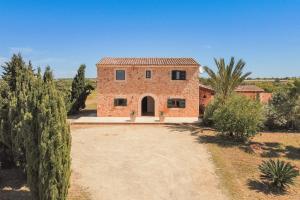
[268, 84]
[34, 133]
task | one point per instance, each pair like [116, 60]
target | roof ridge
[148, 61]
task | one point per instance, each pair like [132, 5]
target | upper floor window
[120, 74]
[148, 74]
[120, 102]
[178, 75]
[176, 103]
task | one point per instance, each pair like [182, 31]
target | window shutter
[182, 103]
[182, 75]
[174, 75]
[170, 103]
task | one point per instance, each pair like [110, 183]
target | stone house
[206, 94]
[147, 87]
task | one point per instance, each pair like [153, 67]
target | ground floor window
[176, 103]
[120, 102]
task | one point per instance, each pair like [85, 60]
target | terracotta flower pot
[132, 118]
[161, 118]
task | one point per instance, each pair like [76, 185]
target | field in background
[238, 168]
[268, 84]
[91, 101]
[65, 85]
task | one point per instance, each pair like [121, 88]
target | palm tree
[227, 78]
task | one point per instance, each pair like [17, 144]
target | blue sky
[64, 34]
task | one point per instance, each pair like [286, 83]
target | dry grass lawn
[91, 101]
[238, 168]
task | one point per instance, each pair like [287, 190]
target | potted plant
[132, 116]
[161, 116]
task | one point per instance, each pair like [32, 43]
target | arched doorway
[148, 106]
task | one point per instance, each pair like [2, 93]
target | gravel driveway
[137, 162]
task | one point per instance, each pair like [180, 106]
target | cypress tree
[34, 128]
[49, 159]
[16, 114]
[80, 91]
[34, 138]
[6, 158]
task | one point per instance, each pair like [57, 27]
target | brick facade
[206, 94]
[135, 87]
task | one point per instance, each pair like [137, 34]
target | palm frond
[227, 77]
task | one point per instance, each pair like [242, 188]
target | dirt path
[143, 162]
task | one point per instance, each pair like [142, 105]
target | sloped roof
[148, 61]
[248, 88]
[240, 88]
[206, 87]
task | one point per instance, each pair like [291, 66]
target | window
[148, 73]
[178, 75]
[120, 74]
[176, 103]
[120, 102]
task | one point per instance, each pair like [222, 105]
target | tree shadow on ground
[219, 140]
[194, 129]
[263, 187]
[264, 149]
[13, 185]
[84, 113]
[292, 152]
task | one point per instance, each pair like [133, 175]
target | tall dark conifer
[16, 114]
[54, 143]
[33, 126]
[34, 138]
[80, 91]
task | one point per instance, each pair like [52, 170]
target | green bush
[283, 111]
[239, 117]
[279, 174]
[209, 111]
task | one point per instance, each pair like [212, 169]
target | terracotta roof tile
[148, 61]
[248, 88]
[206, 87]
[240, 88]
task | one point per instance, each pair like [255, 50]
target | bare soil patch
[143, 162]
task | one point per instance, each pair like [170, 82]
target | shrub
[239, 117]
[279, 111]
[283, 111]
[279, 174]
[209, 111]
